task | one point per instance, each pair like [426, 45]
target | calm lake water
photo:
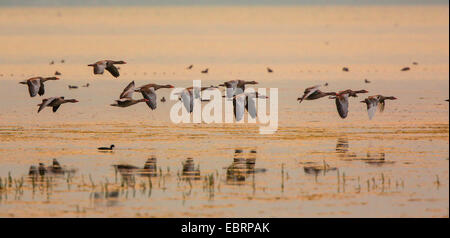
[395, 165]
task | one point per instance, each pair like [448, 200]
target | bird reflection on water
[243, 165]
[190, 172]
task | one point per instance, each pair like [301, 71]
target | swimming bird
[345, 69]
[52, 62]
[86, 85]
[57, 73]
[54, 102]
[106, 148]
[415, 63]
[100, 66]
[36, 85]
[269, 70]
[366, 81]
[313, 93]
[245, 100]
[72, 86]
[374, 102]
[205, 71]
[149, 92]
[235, 87]
[341, 100]
[163, 99]
[190, 66]
[126, 97]
[405, 69]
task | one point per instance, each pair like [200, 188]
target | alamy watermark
[228, 108]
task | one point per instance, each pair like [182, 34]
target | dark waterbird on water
[100, 66]
[205, 71]
[345, 69]
[405, 69]
[106, 148]
[57, 73]
[269, 70]
[366, 81]
[72, 86]
[190, 66]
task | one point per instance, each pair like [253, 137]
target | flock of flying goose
[234, 90]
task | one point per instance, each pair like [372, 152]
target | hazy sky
[209, 2]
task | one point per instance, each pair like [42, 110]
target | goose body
[235, 87]
[100, 66]
[54, 102]
[341, 100]
[148, 91]
[36, 85]
[313, 93]
[205, 71]
[374, 102]
[245, 102]
[126, 97]
[188, 94]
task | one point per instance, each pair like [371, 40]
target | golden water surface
[395, 165]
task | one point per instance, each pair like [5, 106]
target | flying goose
[245, 100]
[374, 102]
[36, 85]
[341, 100]
[100, 66]
[54, 102]
[235, 87]
[126, 97]
[188, 94]
[149, 92]
[313, 93]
